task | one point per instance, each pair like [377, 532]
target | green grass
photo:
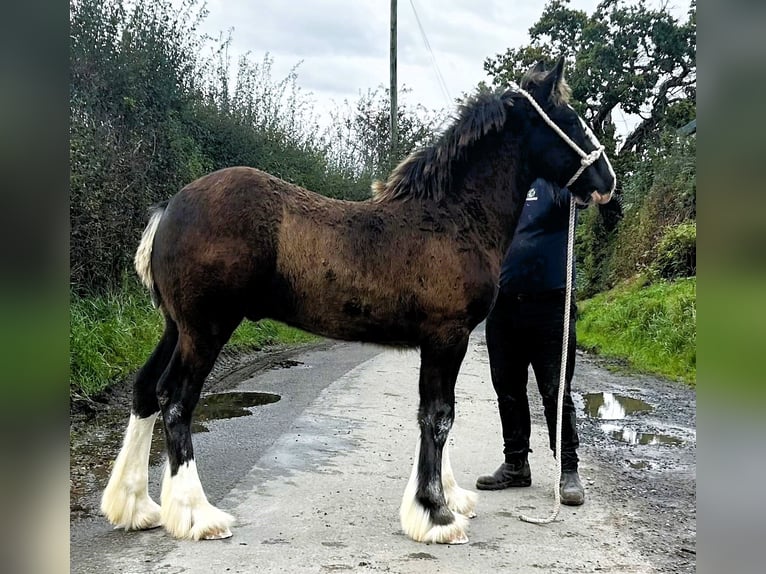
[653, 327]
[111, 336]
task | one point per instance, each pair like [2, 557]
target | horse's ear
[554, 87]
[531, 79]
[537, 68]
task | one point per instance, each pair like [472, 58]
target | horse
[414, 266]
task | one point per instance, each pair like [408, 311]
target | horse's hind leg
[125, 501]
[458, 499]
[425, 513]
[185, 511]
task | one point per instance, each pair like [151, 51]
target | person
[525, 327]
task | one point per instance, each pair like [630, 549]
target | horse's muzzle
[595, 197]
[601, 198]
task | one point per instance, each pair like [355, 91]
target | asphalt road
[315, 481]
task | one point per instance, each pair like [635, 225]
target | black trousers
[525, 330]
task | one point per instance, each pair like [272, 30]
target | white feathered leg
[416, 520]
[126, 502]
[458, 499]
[186, 512]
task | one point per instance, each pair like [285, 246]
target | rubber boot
[508, 474]
[571, 489]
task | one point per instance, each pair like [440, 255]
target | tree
[625, 54]
[359, 139]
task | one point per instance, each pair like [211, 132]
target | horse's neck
[494, 189]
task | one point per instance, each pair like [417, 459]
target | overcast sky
[343, 45]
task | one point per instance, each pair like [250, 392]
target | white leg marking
[186, 513]
[416, 520]
[125, 501]
[459, 499]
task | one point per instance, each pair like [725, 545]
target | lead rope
[562, 378]
[586, 159]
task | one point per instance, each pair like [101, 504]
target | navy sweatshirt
[536, 259]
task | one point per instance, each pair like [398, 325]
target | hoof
[201, 522]
[130, 511]
[459, 538]
[219, 535]
[417, 524]
[449, 533]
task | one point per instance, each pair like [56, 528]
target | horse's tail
[143, 258]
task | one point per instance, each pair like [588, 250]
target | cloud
[300, 28]
[343, 45]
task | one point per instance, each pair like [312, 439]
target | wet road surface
[312, 460]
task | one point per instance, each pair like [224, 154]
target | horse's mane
[426, 173]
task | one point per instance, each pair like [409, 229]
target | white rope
[562, 376]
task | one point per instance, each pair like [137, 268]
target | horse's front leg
[425, 513]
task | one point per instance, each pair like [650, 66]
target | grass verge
[110, 337]
[653, 327]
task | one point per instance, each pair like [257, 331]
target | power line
[439, 77]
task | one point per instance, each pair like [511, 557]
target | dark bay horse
[415, 266]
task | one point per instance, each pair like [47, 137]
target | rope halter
[586, 159]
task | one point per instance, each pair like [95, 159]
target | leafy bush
[659, 195]
[676, 253]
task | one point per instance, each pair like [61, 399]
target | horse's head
[549, 121]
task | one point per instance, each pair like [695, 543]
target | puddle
[211, 407]
[289, 364]
[610, 406]
[638, 464]
[614, 407]
[230, 405]
[631, 436]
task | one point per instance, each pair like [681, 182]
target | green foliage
[112, 335]
[133, 73]
[266, 332]
[653, 327]
[594, 250]
[640, 60]
[659, 196]
[676, 252]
